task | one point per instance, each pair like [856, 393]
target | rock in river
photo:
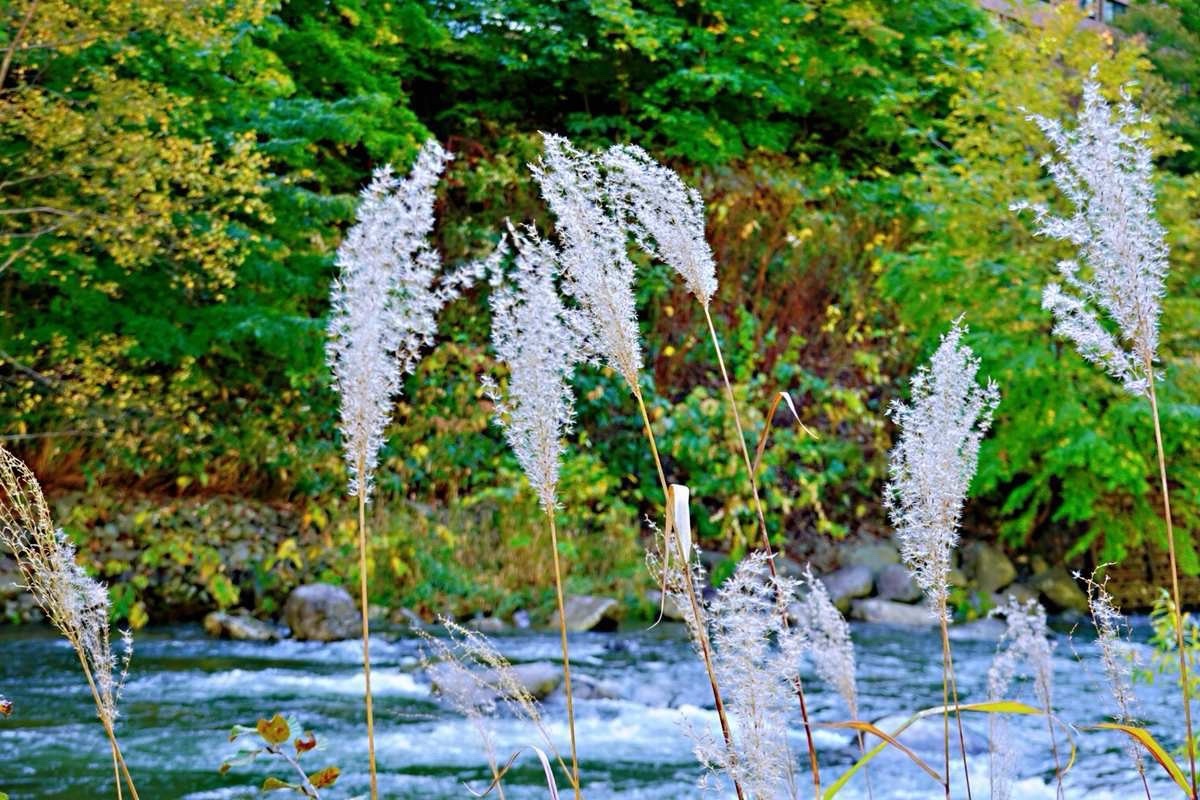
[322, 612]
[585, 612]
[239, 625]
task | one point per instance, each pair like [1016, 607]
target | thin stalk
[949, 682]
[797, 686]
[1054, 749]
[108, 728]
[562, 634]
[366, 625]
[697, 613]
[116, 772]
[1166, 496]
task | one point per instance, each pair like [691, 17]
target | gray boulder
[847, 583]
[488, 624]
[888, 612]
[1020, 591]
[538, 678]
[895, 582]
[988, 567]
[585, 612]
[406, 618]
[239, 625]
[670, 608]
[1059, 590]
[321, 612]
[874, 555]
[585, 687]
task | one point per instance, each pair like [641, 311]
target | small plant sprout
[75, 603]
[666, 218]
[931, 467]
[1105, 169]
[384, 305]
[280, 739]
[539, 341]
[1025, 647]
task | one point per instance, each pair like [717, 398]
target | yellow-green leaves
[1147, 740]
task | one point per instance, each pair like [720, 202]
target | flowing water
[185, 691]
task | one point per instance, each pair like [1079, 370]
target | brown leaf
[305, 743]
[325, 778]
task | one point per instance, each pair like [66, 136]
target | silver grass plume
[1024, 648]
[1104, 168]
[1117, 658]
[754, 675]
[75, 603]
[594, 256]
[540, 341]
[826, 637]
[490, 679]
[934, 460]
[665, 215]
[385, 302]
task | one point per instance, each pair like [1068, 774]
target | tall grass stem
[797, 686]
[697, 611]
[562, 633]
[948, 682]
[366, 625]
[1184, 681]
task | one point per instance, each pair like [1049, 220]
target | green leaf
[1147, 740]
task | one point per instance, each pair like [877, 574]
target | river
[185, 691]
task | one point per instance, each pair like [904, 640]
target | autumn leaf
[325, 778]
[274, 731]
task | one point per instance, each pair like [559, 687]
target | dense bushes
[857, 158]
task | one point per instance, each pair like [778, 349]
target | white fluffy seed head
[934, 460]
[827, 639]
[385, 301]
[665, 215]
[74, 602]
[1104, 168]
[1025, 648]
[539, 341]
[594, 255]
[745, 621]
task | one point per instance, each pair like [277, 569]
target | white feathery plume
[385, 301]
[540, 341]
[744, 617]
[665, 215]
[934, 460]
[826, 636]
[1116, 656]
[1104, 168]
[594, 256]
[75, 603]
[1025, 648]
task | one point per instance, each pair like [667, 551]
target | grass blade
[1147, 740]
[986, 707]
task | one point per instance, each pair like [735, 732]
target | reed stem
[797, 686]
[366, 624]
[562, 633]
[697, 612]
[948, 682]
[1184, 681]
[104, 720]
